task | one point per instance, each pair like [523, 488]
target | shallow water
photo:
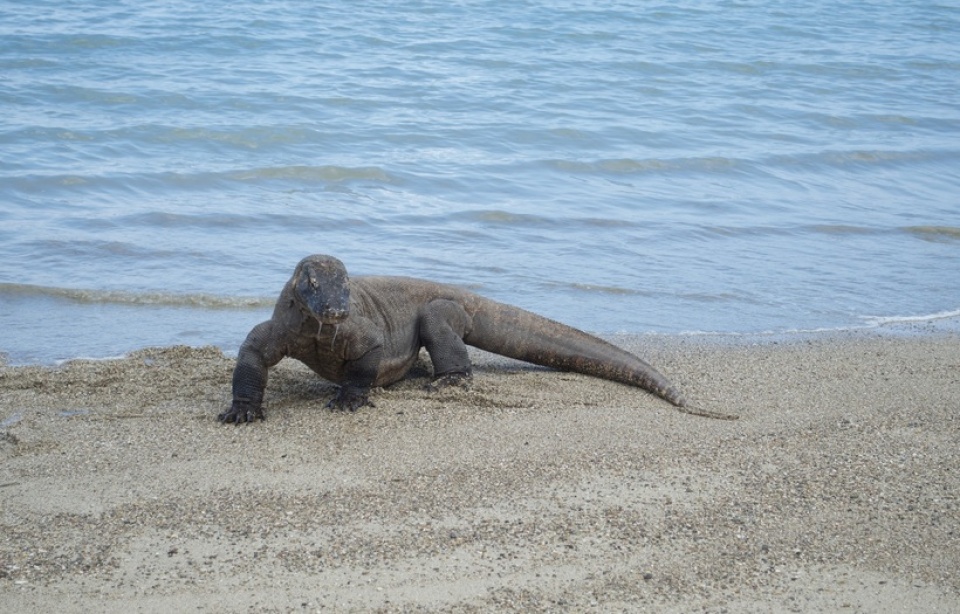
[722, 167]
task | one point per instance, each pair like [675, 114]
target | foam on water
[932, 317]
[199, 301]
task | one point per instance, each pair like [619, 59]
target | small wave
[869, 323]
[749, 231]
[938, 234]
[160, 219]
[43, 182]
[875, 321]
[844, 229]
[97, 41]
[861, 158]
[507, 218]
[857, 157]
[118, 297]
[790, 230]
[595, 288]
[630, 166]
[332, 174]
[253, 137]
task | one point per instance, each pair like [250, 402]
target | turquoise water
[729, 167]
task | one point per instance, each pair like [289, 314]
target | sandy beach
[837, 490]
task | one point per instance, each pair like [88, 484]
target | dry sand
[838, 490]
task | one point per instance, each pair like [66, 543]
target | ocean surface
[625, 167]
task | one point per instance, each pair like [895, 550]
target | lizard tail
[523, 335]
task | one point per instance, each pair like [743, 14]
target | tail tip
[672, 396]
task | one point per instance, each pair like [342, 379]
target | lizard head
[320, 286]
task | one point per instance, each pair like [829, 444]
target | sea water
[625, 167]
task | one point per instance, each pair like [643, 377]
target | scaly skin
[368, 331]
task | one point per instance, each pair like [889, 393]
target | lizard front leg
[259, 352]
[358, 377]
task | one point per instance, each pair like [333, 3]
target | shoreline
[157, 321]
[532, 491]
[934, 325]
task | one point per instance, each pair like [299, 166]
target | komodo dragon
[368, 331]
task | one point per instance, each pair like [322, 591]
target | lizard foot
[241, 411]
[350, 399]
[447, 380]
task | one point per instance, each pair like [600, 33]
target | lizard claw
[241, 411]
[350, 399]
[448, 380]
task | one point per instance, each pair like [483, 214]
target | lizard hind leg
[442, 326]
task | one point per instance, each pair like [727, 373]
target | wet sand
[838, 490]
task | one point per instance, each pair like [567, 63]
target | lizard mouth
[330, 316]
